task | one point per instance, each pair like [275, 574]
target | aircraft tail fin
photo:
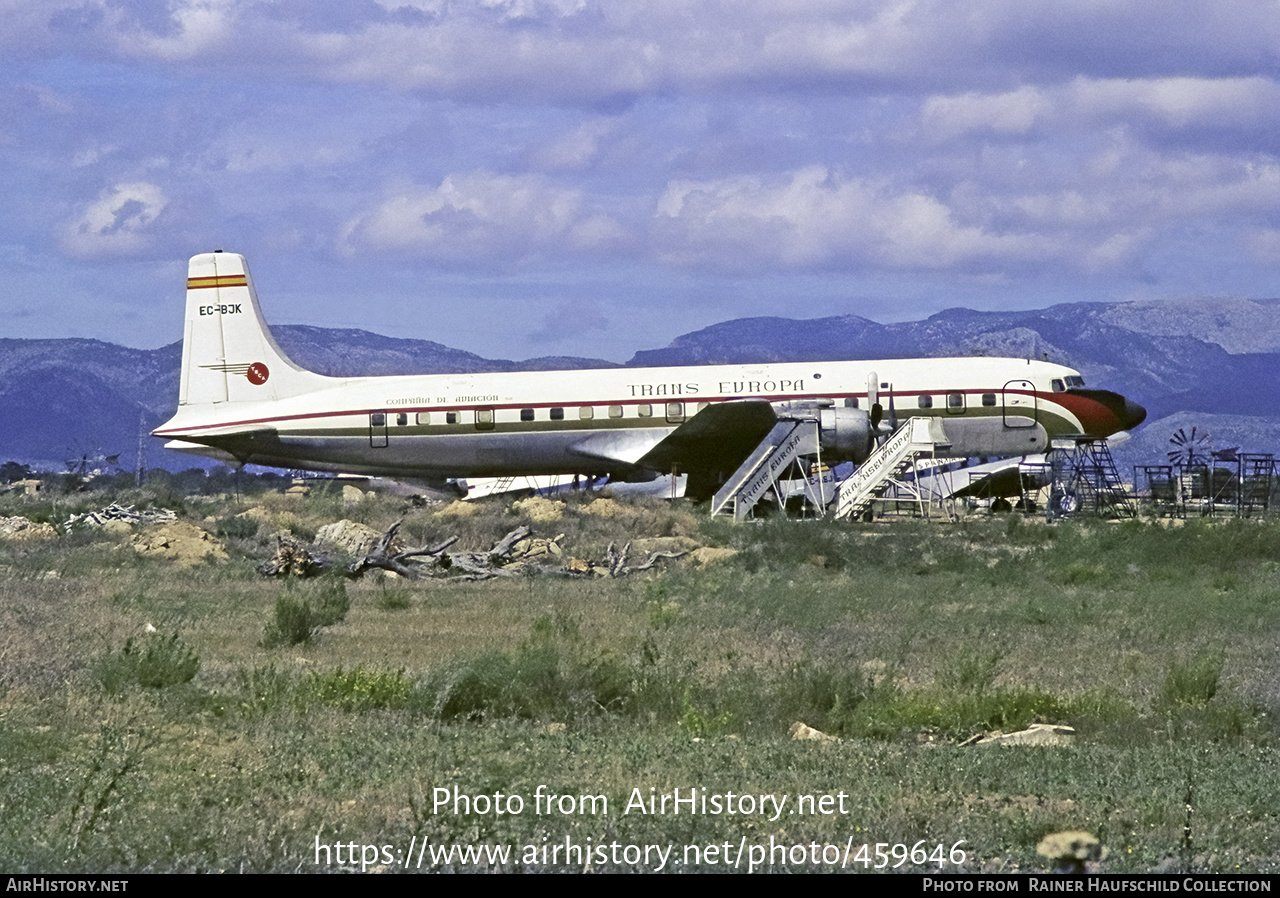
[228, 353]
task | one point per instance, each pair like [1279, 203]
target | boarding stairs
[917, 437]
[1085, 478]
[789, 440]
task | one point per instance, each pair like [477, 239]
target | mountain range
[1213, 361]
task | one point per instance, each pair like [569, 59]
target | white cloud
[817, 219]
[481, 217]
[1014, 112]
[1173, 103]
[118, 223]
[203, 27]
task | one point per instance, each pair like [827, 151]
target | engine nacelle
[845, 434]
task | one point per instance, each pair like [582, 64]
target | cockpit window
[1058, 386]
[1075, 381]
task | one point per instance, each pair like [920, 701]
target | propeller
[876, 413]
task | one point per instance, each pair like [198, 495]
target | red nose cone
[1101, 412]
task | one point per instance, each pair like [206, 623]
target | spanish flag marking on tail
[228, 280]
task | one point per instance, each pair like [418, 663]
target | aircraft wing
[1006, 482]
[717, 438]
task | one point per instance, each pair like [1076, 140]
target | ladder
[1084, 475]
[789, 439]
[916, 437]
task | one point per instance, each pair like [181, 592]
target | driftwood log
[398, 562]
[615, 562]
[413, 563]
[516, 553]
[293, 557]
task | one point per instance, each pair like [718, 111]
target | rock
[804, 733]
[534, 548]
[1071, 850]
[539, 510]
[348, 538]
[120, 513]
[184, 543]
[351, 496]
[458, 509]
[21, 528]
[711, 555]
[1036, 734]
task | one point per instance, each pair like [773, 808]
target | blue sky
[568, 177]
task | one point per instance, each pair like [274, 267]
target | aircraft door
[1020, 404]
[378, 430]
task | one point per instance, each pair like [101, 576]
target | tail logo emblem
[256, 373]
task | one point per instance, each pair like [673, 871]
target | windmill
[1190, 450]
[85, 462]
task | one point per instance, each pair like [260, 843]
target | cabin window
[955, 400]
[989, 399]
[557, 414]
[1057, 386]
[402, 419]
[484, 419]
[924, 400]
[424, 417]
[615, 411]
[378, 419]
[526, 414]
[586, 412]
[675, 411]
[851, 402]
[645, 410]
[450, 417]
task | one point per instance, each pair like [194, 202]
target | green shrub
[550, 674]
[153, 661]
[971, 671]
[330, 601]
[323, 603]
[359, 689]
[237, 528]
[824, 696]
[265, 689]
[1192, 684]
[293, 624]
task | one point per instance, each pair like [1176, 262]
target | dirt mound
[539, 510]
[182, 542]
[21, 528]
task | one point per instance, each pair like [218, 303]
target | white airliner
[242, 400]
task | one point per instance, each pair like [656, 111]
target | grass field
[211, 744]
